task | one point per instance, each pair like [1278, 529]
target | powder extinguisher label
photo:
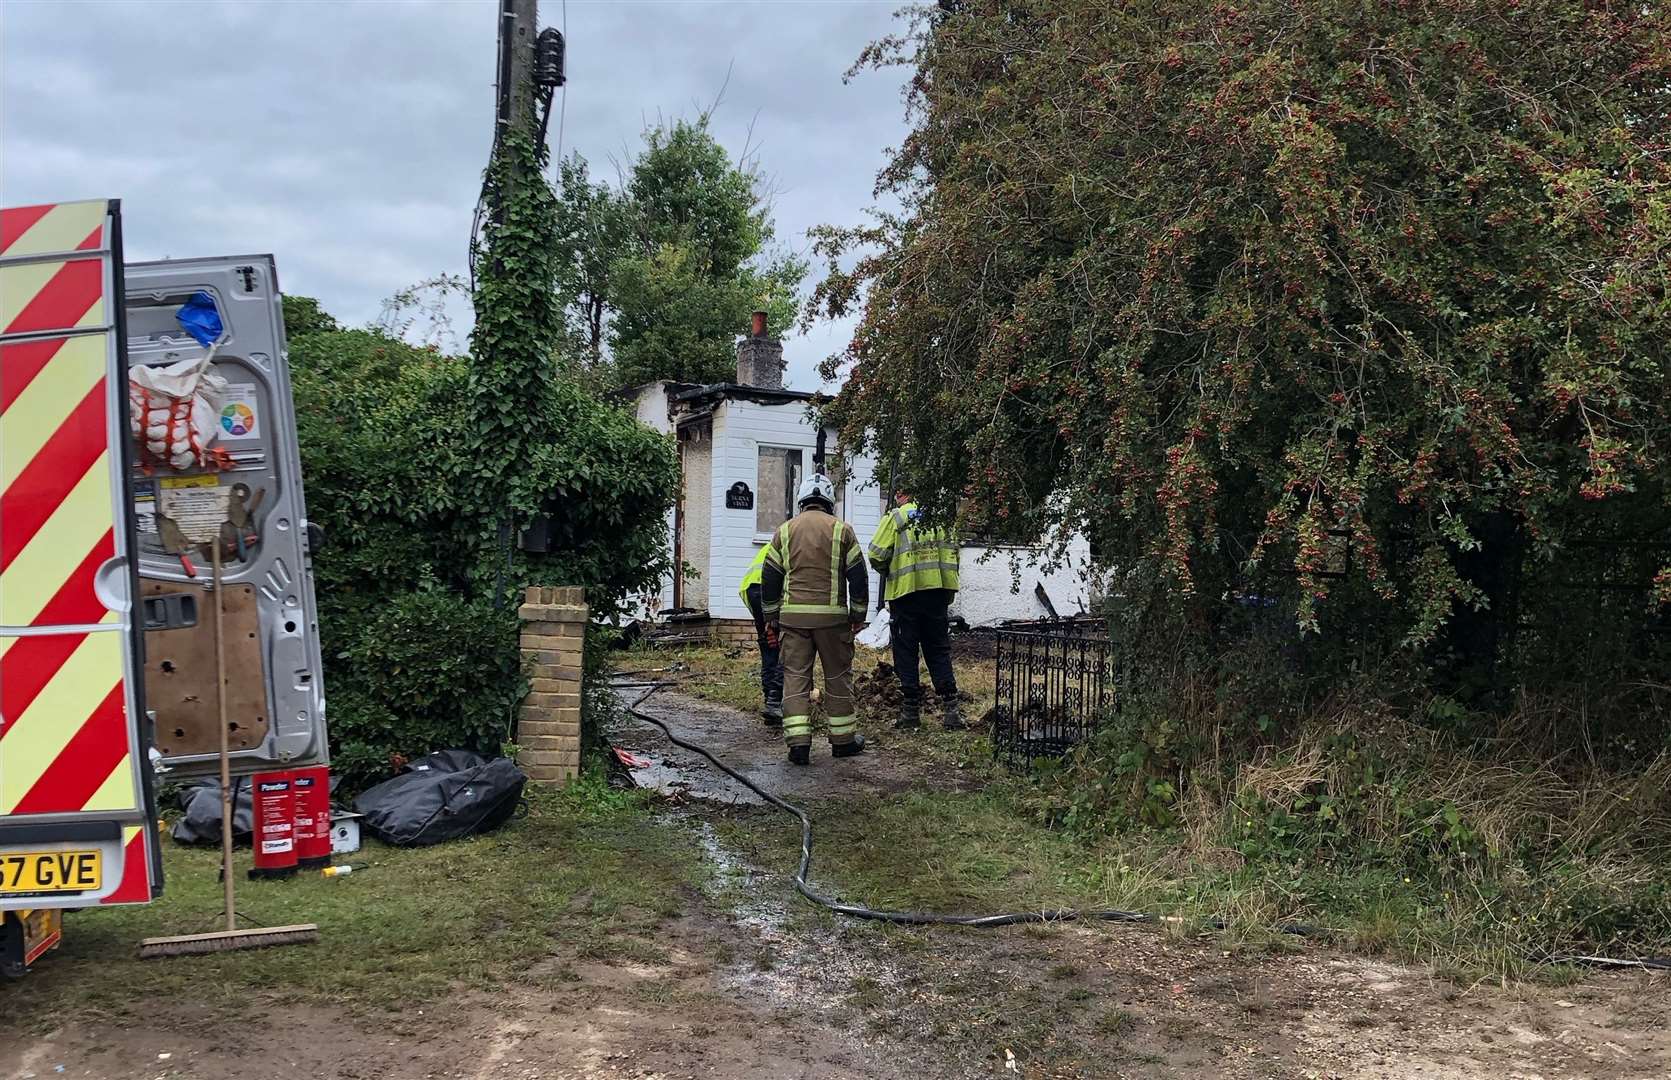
[275, 834]
[311, 792]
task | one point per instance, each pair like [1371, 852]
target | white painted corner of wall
[999, 583]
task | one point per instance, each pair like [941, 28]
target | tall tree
[665, 269]
[592, 233]
[1241, 288]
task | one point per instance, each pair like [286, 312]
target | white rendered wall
[989, 591]
[741, 428]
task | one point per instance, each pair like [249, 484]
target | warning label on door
[238, 413]
[197, 504]
[145, 505]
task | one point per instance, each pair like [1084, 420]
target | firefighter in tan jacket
[815, 590]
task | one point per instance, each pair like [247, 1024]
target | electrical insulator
[548, 59]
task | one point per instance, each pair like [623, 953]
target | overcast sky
[347, 137]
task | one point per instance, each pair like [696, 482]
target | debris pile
[878, 693]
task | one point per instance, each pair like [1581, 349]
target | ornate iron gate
[1055, 684]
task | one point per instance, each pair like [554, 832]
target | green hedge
[417, 594]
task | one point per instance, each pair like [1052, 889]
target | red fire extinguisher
[275, 828]
[311, 789]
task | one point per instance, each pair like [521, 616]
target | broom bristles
[227, 940]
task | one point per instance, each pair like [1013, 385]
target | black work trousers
[920, 624]
[771, 671]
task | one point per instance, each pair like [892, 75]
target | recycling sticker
[238, 412]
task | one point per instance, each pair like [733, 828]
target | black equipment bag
[440, 797]
[200, 822]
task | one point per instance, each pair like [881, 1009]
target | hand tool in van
[175, 543]
[240, 513]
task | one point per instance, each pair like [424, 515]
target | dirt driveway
[748, 982]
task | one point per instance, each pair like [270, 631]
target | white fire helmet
[816, 488]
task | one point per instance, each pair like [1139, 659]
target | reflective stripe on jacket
[753, 575]
[814, 573]
[912, 556]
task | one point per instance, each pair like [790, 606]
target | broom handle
[225, 750]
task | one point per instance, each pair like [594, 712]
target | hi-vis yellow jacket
[753, 575]
[914, 558]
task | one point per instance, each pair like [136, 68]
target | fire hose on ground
[1009, 918]
[857, 911]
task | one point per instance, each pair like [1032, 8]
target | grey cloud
[349, 138]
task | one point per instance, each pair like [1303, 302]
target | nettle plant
[1365, 300]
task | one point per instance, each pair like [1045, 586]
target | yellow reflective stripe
[835, 565]
[20, 284]
[884, 538]
[51, 720]
[926, 556]
[923, 576]
[53, 553]
[797, 725]
[117, 792]
[923, 567]
[853, 555]
[814, 609]
[60, 229]
[777, 549]
[843, 725]
[49, 399]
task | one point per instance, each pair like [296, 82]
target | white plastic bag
[174, 412]
[878, 634]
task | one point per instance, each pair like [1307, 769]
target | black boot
[800, 755]
[951, 714]
[910, 710]
[772, 714]
[848, 749]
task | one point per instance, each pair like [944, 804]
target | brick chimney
[759, 357]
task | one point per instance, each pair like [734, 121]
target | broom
[232, 937]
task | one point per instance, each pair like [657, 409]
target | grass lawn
[983, 847]
[588, 873]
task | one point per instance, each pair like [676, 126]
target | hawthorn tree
[1364, 302]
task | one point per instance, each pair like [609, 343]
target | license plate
[44, 873]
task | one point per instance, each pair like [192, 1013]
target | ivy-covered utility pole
[518, 318]
[518, 37]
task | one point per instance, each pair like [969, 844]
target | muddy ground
[752, 987]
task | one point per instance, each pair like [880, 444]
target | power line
[563, 106]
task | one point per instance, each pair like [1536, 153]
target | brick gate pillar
[553, 643]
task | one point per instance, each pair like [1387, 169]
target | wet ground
[1105, 1001]
[758, 752]
[750, 982]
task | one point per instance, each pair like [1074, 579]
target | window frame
[760, 488]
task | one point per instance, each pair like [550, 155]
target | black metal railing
[1055, 685]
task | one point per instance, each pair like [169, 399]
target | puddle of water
[786, 966]
[680, 778]
[789, 967]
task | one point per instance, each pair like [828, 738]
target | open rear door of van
[249, 493]
[76, 807]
